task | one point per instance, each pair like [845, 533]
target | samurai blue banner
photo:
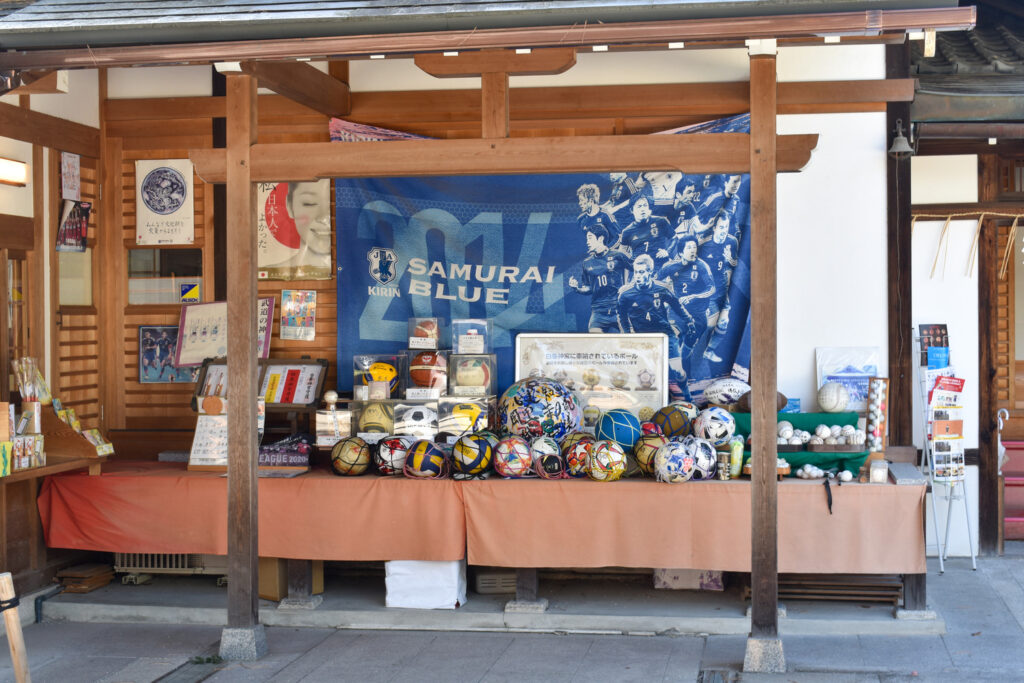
[628, 251]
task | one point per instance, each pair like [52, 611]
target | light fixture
[677, 46]
[450, 54]
[599, 48]
[992, 141]
[832, 40]
[13, 172]
[523, 50]
[900, 147]
[376, 56]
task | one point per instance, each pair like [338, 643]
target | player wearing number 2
[644, 306]
[604, 272]
[694, 285]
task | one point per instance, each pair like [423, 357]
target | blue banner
[636, 252]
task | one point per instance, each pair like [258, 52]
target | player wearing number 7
[604, 272]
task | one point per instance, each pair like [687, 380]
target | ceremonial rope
[943, 248]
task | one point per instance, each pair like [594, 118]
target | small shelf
[55, 463]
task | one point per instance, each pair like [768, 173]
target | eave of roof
[73, 23]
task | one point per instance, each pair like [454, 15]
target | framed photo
[607, 370]
[204, 332]
[157, 350]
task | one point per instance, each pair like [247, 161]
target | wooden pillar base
[527, 587]
[300, 587]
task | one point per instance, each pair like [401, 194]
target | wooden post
[764, 650]
[494, 105]
[900, 334]
[243, 534]
[989, 515]
[15, 638]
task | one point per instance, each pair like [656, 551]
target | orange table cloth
[163, 508]
[873, 529]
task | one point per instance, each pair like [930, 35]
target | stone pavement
[983, 612]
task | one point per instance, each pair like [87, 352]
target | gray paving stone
[376, 655]
[537, 657]
[684, 660]
[151, 640]
[145, 669]
[905, 653]
[457, 656]
[308, 662]
[810, 677]
[986, 651]
[626, 659]
[79, 668]
[725, 652]
[297, 641]
[822, 653]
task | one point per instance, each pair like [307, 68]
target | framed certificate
[607, 370]
[203, 332]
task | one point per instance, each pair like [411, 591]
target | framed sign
[607, 370]
[203, 332]
[164, 202]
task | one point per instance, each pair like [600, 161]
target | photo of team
[661, 251]
[157, 345]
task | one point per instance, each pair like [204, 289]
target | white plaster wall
[16, 201]
[944, 179]
[80, 104]
[832, 247]
[159, 81]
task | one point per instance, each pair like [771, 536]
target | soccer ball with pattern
[673, 462]
[576, 458]
[715, 424]
[539, 407]
[705, 459]
[472, 454]
[512, 458]
[606, 462]
[390, 454]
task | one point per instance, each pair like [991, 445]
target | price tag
[471, 343]
[372, 437]
[423, 393]
[422, 343]
[470, 391]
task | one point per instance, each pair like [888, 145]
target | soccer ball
[715, 424]
[606, 462]
[650, 428]
[376, 417]
[705, 459]
[574, 438]
[618, 425]
[512, 458]
[591, 377]
[390, 455]
[646, 379]
[674, 420]
[539, 407]
[350, 456]
[472, 454]
[576, 458]
[619, 379]
[726, 391]
[425, 460]
[645, 448]
[673, 463]
[548, 462]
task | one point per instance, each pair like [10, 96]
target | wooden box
[273, 583]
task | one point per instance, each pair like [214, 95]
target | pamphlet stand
[945, 463]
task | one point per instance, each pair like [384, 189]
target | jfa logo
[383, 264]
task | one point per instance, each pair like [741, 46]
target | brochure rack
[943, 450]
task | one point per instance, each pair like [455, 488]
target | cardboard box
[273, 583]
[688, 579]
[425, 585]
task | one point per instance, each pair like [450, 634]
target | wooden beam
[931, 107]
[494, 105]
[18, 232]
[867, 23]
[971, 209]
[989, 517]
[898, 293]
[704, 153]
[48, 131]
[764, 618]
[303, 83]
[536, 62]
[42, 82]
[243, 534]
[36, 260]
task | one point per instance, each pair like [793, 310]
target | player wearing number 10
[604, 272]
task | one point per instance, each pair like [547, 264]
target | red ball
[427, 329]
[428, 369]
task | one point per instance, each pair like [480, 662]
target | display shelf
[55, 464]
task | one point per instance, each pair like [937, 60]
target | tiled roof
[995, 46]
[60, 23]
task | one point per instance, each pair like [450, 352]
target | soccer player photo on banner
[294, 230]
[624, 252]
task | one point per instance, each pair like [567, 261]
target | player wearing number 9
[604, 273]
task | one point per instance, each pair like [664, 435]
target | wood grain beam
[866, 23]
[536, 62]
[705, 153]
[494, 105]
[303, 83]
[48, 131]
[764, 561]
[989, 513]
[42, 82]
[243, 533]
[17, 232]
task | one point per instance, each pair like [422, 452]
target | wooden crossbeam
[536, 62]
[41, 83]
[705, 153]
[17, 232]
[48, 131]
[304, 84]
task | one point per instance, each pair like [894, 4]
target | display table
[162, 508]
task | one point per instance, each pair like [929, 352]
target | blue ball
[619, 425]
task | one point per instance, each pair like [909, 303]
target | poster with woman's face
[294, 230]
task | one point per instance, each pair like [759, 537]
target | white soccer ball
[726, 391]
[822, 431]
[833, 397]
[805, 436]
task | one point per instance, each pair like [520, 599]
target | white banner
[164, 203]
